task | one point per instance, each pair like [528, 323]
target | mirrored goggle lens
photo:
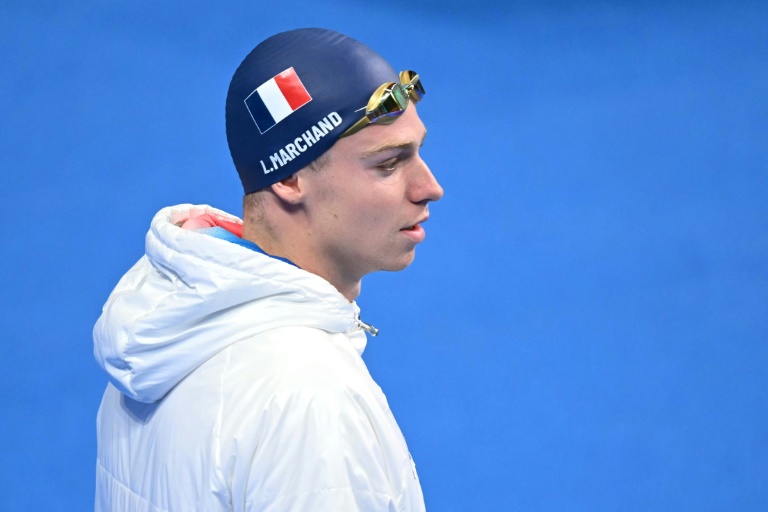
[412, 83]
[389, 101]
[393, 100]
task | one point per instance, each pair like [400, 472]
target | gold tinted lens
[389, 101]
[412, 82]
[406, 76]
[392, 102]
[376, 97]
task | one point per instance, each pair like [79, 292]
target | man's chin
[400, 263]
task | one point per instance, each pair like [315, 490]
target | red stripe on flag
[292, 88]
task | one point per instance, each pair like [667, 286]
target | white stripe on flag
[274, 100]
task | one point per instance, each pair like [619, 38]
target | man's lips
[415, 232]
[416, 224]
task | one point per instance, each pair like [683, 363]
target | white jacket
[237, 384]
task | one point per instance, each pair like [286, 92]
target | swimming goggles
[389, 101]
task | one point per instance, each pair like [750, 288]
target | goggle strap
[356, 127]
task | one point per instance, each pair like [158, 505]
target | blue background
[585, 327]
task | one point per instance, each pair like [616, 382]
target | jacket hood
[192, 295]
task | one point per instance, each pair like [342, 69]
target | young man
[233, 349]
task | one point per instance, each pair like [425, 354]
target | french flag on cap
[276, 99]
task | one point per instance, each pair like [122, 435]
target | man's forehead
[394, 145]
[407, 132]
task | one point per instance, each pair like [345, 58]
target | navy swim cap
[292, 97]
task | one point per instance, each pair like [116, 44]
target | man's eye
[389, 165]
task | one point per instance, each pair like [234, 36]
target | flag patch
[276, 99]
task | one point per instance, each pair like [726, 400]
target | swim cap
[292, 97]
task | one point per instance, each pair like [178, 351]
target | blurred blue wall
[585, 328]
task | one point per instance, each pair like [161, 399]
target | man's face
[366, 205]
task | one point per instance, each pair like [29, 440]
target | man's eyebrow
[388, 147]
[385, 147]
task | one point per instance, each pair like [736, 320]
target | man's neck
[305, 258]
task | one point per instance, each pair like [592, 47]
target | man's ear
[289, 190]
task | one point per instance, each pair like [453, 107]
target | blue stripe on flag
[259, 112]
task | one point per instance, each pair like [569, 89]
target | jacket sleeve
[322, 450]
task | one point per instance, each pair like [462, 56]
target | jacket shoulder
[303, 419]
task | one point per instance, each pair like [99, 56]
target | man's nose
[425, 187]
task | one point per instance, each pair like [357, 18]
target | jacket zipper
[367, 327]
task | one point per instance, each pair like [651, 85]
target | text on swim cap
[303, 142]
